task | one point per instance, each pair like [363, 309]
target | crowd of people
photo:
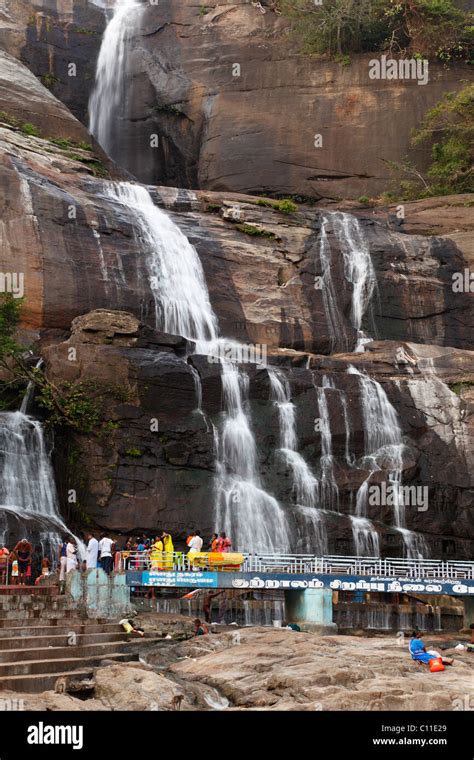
[25, 564]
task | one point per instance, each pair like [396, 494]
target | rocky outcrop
[223, 86]
[258, 669]
[23, 97]
[261, 669]
[58, 220]
[58, 42]
[151, 463]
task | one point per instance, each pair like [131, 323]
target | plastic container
[436, 666]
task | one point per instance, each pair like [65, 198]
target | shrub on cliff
[449, 126]
[431, 28]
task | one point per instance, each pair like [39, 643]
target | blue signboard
[177, 579]
[283, 581]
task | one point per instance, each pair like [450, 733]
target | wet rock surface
[140, 476]
[59, 220]
[262, 669]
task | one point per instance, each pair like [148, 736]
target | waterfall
[334, 318]
[365, 537]
[312, 535]
[27, 489]
[328, 489]
[108, 98]
[358, 271]
[244, 510]
[253, 518]
[182, 305]
[30, 392]
[384, 449]
[347, 428]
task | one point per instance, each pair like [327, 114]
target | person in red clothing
[224, 544]
[4, 554]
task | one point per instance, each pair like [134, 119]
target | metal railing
[297, 564]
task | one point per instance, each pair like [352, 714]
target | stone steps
[9, 657]
[6, 616]
[79, 627]
[34, 642]
[38, 682]
[59, 640]
[60, 665]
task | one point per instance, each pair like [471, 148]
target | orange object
[436, 665]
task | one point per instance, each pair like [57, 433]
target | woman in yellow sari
[169, 550]
[156, 555]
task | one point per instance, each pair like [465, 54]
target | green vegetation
[81, 406]
[250, 229]
[29, 129]
[203, 9]
[49, 80]
[134, 452]
[168, 109]
[74, 407]
[430, 28]
[458, 388]
[83, 30]
[10, 311]
[65, 142]
[286, 205]
[449, 126]
[213, 208]
[97, 168]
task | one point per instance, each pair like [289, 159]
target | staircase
[43, 637]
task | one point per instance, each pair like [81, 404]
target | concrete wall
[99, 595]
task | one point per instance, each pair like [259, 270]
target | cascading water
[108, 99]
[312, 534]
[329, 492]
[244, 510]
[384, 449]
[253, 518]
[182, 305]
[334, 318]
[366, 538]
[27, 490]
[358, 271]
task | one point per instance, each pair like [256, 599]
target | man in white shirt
[105, 549]
[71, 555]
[195, 545]
[92, 552]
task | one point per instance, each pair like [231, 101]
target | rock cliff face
[284, 281]
[60, 220]
[224, 87]
[140, 475]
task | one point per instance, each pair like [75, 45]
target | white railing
[296, 564]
